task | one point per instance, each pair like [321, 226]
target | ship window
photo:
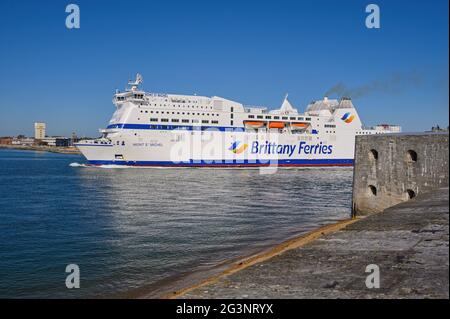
[153, 120]
[205, 121]
[231, 122]
[123, 143]
[284, 118]
[164, 120]
[175, 120]
[276, 117]
[251, 116]
[308, 119]
[185, 121]
[118, 143]
[259, 116]
[292, 118]
[268, 117]
[215, 122]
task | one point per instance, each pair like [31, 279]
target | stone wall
[392, 168]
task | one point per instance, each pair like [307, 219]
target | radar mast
[134, 85]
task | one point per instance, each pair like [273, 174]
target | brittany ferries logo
[238, 148]
[347, 118]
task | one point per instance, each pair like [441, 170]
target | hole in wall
[372, 190]
[373, 154]
[410, 194]
[411, 156]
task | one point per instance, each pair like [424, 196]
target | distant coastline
[43, 148]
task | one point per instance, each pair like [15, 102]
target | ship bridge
[132, 93]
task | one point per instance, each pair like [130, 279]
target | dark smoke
[393, 85]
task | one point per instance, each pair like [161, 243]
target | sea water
[128, 228]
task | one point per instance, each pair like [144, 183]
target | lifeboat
[299, 125]
[276, 125]
[254, 124]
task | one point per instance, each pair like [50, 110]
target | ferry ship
[154, 129]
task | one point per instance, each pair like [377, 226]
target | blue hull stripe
[180, 127]
[235, 163]
[104, 145]
[173, 127]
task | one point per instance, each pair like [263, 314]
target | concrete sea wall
[393, 168]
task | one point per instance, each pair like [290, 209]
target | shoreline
[49, 149]
[176, 286]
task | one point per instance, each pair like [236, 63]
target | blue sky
[249, 51]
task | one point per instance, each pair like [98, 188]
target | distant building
[56, 141]
[73, 139]
[6, 140]
[39, 131]
[20, 140]
[437, 128]
[388, 128]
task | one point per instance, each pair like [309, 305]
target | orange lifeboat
[299, 125]
[276, 125]
[254, 124]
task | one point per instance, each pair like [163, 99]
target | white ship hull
[150, 129]
[191, 148]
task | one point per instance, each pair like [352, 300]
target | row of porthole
[409, 194]
[411, 156]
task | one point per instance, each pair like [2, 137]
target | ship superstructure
[154, 129]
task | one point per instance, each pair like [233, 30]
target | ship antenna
[134, 85]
